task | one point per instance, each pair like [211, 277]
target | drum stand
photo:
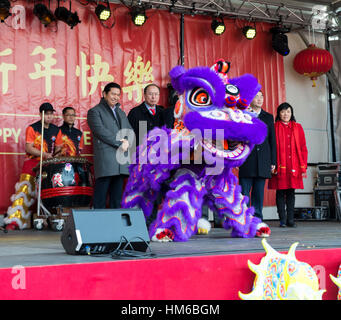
[44, 219]
[2, 228]
[56, 221]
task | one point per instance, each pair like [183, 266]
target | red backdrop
[69, 68]
[246, 56]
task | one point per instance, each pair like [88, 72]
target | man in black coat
[148, 114]
[143, 119]
[261, 162]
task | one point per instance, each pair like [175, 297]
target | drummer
[18, 214]
[73, 139]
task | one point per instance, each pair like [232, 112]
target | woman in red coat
[292, 156]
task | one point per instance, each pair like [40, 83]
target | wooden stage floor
[41, 248]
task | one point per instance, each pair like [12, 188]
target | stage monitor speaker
[100, 231]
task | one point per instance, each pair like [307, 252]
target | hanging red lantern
[313, 62]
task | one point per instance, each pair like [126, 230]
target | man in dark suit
[262, 160]
[168, 116]
[148, 114]
[143, 119]
[106, 120]
[168, 113]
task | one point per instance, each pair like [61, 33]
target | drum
[66, 182]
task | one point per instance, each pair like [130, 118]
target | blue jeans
[257, 193]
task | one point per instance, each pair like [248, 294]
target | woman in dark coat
[292, 156]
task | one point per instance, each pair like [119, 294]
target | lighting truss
[299, 14]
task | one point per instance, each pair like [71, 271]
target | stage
[208, 267]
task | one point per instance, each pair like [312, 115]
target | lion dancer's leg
[230, 204]
[181, 210]
[135, 197]
[18, 214]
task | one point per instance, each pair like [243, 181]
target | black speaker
[100, 231]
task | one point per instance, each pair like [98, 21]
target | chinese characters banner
[70, 67]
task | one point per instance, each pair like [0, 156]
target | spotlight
[44, 14]
[4, 10]
[102, 12]
[280, 40]
[218, 27]
[249, 32]
[139, 17]
[65, 15]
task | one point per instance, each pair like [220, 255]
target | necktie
[117, 118]
[153, 111]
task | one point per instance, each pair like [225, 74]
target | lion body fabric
[191, 165]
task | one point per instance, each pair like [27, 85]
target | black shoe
[292, 225]
[282, 225]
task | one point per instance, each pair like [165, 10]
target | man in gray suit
[106, 120]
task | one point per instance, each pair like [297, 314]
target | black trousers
[113, 186]
[285, 201]
[257, 193]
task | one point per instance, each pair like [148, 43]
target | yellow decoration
[283, 277]
[44, 68]
[337, 281]
[138, 76]
[27, 177]
[19, 212]
[100, 71]
[4, 68]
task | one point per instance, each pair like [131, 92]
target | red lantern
[313, 62]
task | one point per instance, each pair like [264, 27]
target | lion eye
[200, 97]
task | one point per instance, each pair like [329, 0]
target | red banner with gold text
[69, 67]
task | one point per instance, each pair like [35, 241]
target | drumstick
[41, 160]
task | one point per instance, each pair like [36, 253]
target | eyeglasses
[69, 115]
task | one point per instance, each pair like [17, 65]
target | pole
[331, 111]
[182, 45]
[41, 161]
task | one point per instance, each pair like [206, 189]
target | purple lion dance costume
[191, 165]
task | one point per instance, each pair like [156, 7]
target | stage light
[102, 12]
[44, 14]
[249, 32]
[280, 40]
[65, 15]
[218, 27]
[139, 17]
[4, 10]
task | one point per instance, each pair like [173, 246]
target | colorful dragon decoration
[283, 277]
[337, 281]
[191, 165]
